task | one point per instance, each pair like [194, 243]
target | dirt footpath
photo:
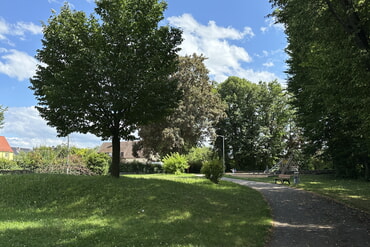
[305, 219]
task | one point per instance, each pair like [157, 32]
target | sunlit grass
[60, 210]
[353, 192]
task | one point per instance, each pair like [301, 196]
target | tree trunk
[116, 146]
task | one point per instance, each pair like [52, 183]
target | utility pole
[67, 154]
[223, 151]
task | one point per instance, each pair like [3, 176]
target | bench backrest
[284, 176]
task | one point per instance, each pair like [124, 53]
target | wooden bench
[282, 178]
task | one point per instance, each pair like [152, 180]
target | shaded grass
[61, 210]
[352, 192]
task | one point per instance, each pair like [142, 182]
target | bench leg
[286, 180]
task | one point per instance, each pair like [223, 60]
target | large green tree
[329, 73]
[107, 73]
[256, 123]
[240, 127]
[199, 109]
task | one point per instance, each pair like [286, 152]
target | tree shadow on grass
[100, 211]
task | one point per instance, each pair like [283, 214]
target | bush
[140, 167]
[196, 157]
[175, 163]
[98, 163]
[66, 169]
[8, 164]
[213, 170]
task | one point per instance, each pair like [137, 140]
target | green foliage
[98, 163]
[40, 158]
[256, 126]
[107, 73]
[198, 111]
[175, 163]
[213, 170]
[66, 169]
[329, 71]
[59, 210]
[8, 164]
[141, 168]
[197, 156]
[59, 160]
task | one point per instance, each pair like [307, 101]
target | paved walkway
[305, 219]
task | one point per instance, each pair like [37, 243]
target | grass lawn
[353, 192]
[157, 210]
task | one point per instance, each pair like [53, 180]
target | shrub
[213, 170]
[140, 167]
[8, 164]
[175, 163]
[196, 157]
[66, 169]
[98, 163]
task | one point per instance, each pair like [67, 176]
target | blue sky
[235, 35]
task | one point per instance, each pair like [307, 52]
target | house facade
[6, 152]
[126, 153]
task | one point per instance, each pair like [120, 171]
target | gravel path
[305, 219]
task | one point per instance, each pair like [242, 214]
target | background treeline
[260, 124]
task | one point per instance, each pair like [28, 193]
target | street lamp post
[223, 151]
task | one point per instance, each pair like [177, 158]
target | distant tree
[240, 127]
[2, 110]
[255, 126]
[109, 73]
[192, 121]
[275, 119]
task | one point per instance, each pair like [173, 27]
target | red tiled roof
[4, 145]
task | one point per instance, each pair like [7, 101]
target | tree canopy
[198, 111]
[329, 73]
[256, 123]
[107, 73]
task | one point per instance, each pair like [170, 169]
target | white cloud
[272, 24]
[55, 1]
[257, 76]
[17, 64]
[22, 27]
[269, 64]
[18, 29]
[25, 128]
[4, 26]
[214, 42]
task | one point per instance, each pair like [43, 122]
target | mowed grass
[352, 192]
[158, 210]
